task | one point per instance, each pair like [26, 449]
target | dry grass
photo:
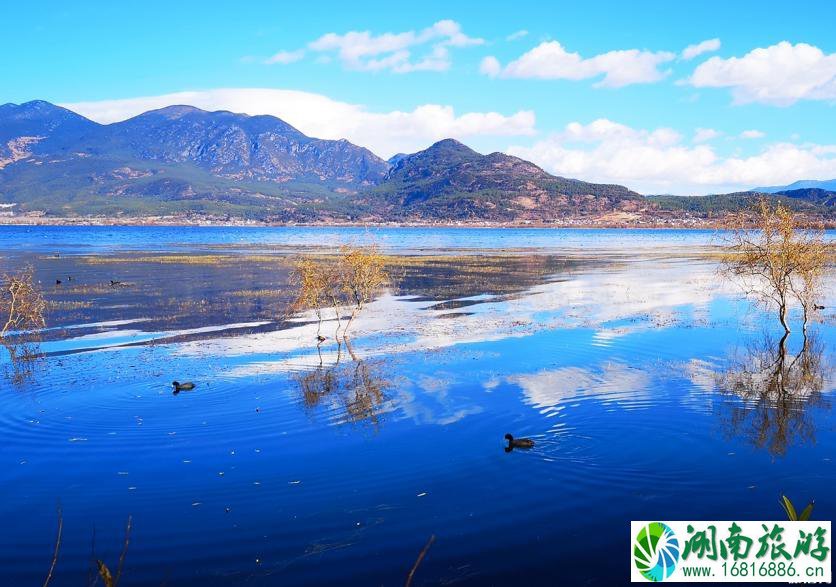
[58, 305]
[208, 259]
[258, 293]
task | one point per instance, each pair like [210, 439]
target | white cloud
[490, 66]
[658, 161]
[779, 75]
[385, 133]
[707, 46]
[517, 35]
[285, 57]
[364, 51]
[752, 134]
[549, 60]
[702, 135]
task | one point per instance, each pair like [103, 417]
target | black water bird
[518, 443]
[321, 338]
[178, 387]
[818, 307]
[57, 282]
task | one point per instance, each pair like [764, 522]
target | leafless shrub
[777, 262]
[22, 305]
[363, 275]
[346, 284]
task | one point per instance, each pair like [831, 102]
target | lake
[641, 375]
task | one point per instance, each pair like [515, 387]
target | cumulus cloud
[385, 133]
[779, 75]
[285, 57]
[659, 161]
[550, 60]
[365, 51]
[752, 134]
[708, 46]
[702, 135]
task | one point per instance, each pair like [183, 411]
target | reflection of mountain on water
[778, 389]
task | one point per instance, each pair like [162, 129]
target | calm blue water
[288, 466]
[83, 239]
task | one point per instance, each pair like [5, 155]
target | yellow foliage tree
[350, 281]
[776, 261]
[363, 275]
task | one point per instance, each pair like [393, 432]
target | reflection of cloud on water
[428, 401]
[435, 404]
[548, 390]
[702, 374]
[112, 338]
[648, 297]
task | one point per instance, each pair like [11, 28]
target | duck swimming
[513, 443]
[178, 387]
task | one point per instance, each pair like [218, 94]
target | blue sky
[596, 90]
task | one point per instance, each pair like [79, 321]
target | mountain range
[827, 185]
[188, 162]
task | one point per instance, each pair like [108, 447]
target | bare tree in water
[363, 275]
[311, 283]
[344, 284]
[777, 262]
[22, 309]
[22, 306]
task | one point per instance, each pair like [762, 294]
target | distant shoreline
[689, 224]
[245, 224]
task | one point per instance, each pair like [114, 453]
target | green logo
[656, 551]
